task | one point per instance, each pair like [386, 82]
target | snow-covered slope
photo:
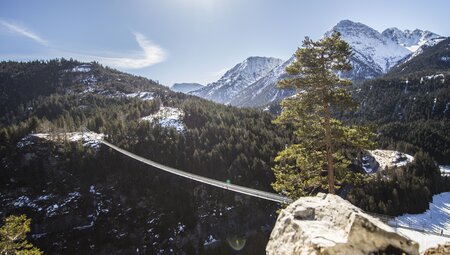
[237, 79]
[185, 87]
[376, 51]
[423, 46]
[168, 117]
[264, 90]
[434, 220]
[411, 40]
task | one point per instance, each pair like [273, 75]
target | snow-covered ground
[210, 240]
[143, 95]
[434, 220]
[91, 88]
[89, 139]
[167, 117]
[390, 158]
[84, 68]
[445, 170]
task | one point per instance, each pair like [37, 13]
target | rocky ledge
[328, 224]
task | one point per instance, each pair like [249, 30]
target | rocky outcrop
[328, 224]
[440, 250]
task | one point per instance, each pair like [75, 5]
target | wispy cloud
[151, 54]
[148, 55]
[23, 31]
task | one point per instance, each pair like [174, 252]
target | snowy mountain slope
[264, 90]
[428, 44]
[379, 52]
[237, 78]
[432, 58]
[411, 40]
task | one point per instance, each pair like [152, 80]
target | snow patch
[445, 170]
[210, 240]
[143, 95]
[169, 117]
[390, 158]
[89, 139]
[180, 228]
[23, 201]
[52, 210]
[24, 142]
[84, 68]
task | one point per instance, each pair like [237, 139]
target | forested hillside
[114, 202]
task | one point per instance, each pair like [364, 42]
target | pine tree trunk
[329, 148]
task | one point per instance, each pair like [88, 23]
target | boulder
[328, 224]
[442, 249]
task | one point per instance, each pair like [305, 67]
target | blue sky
[191, 40]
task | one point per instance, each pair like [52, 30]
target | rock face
[328, 224]
[440, 250]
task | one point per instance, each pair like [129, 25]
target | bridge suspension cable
[220, 184]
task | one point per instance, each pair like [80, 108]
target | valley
[100, 157]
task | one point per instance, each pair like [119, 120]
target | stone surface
[328, 224]
[440, 250]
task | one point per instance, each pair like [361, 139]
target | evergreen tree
[323, 141]
[13, 236]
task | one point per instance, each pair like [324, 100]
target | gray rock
[328, 224]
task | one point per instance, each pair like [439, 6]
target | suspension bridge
[248, 191]
[391, 221]
[216, 183]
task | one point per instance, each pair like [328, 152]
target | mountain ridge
[374, 55]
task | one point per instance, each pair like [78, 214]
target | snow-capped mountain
[374, 54]
[411, 40]
[264, 90]
[237, 78]
[185, 87]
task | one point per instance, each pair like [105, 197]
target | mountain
[375, 54]
[185, 87]
[411, 40]
[237, 79]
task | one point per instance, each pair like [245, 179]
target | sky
[191, 40]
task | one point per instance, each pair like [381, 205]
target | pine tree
[13, 236]
[322, 141]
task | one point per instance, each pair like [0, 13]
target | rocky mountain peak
[370, 47]
[238, 78]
